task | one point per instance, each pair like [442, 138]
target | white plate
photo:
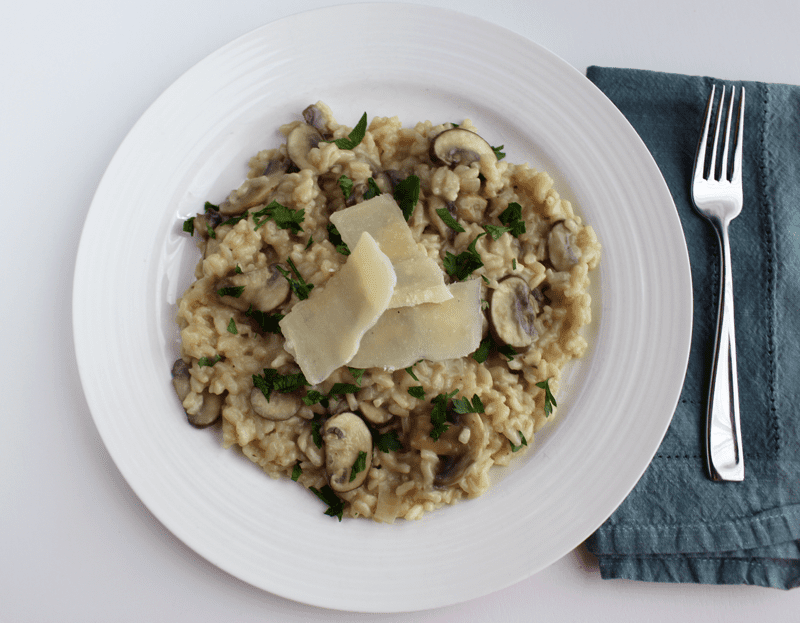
[418, 63]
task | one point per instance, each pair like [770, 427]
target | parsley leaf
[340, 389]
[498, 152]
[488, 345]
[355, 137]
[299, 285]
[507, 351]
[462, 265]
[386, 442]
[285, 218]
[335, 239]
[495, 231]
[238, 270]
[372, 189]
[210, 231]
[232, 327]
[357, 373]
[410, 370]
[463, 405]
[335, 504]
[267, 322]
[272, 380]
[511, 217]
[439, 414]
[549, 399]
[316, 430]
[313, 397]
[359, 466]
[297, 471]
[406, 193]
[523, 443]
[234, 291]
[188, 226]
[206, 362]
[448, 220]
[418, 391]
[346, 184]
[210, 207]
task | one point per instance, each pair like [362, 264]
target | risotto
[382, 313]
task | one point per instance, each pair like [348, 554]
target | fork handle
[723, 429]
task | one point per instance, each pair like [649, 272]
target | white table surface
[76, 544]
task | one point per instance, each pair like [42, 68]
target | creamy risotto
[382, 313]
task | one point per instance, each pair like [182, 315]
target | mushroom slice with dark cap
[277, 407]
[252, 192]
[211, 408]
[314, 117]
[512, 312]
[300, 141]
[561, 247]
[346, 436]
[264, 289]
[459, 146]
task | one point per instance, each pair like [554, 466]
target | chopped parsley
[297, 471]
[418, 391]
[272, 380]
[237, 270]
[206, 362]
[346, 184]
[388, 441]
[359, 466]
[439, 414]
[406, 193]
[410, 370]
[355, 137]
[188, 225]
[511, 217]
[210, 207]
[313, 397]
[488, 345]
[335, 239]
[210, 231]
[340, 389]
[495, 231]
[309, 243]
[316, 430]
[232, 327]
[463, 405]
[448, 220]
[234, 291]
[498, 151]
[462, 265]
[267, 322]
[358, 374]
[549, 399]
[524, 442]
[335, 504]
[285, 218]
[298, 285]
[372, 189]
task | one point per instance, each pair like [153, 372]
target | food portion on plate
[382, 313]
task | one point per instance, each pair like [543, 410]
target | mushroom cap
[264, 289]
[459, 146]
[301, 140]
[253, 191]
[512, 312]
[345, 437]
[561, 247]
[279, 406]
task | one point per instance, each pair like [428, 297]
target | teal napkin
[677, 525]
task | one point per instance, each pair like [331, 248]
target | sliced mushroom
[209, 412]
[207, 221]
[453, 467]
[301, 140]
[314, 117]
[279, 406]
[264, 289]
[276, 165]
[563, 251]
[346, 436]
[181, 379]
[459, 146]
[512, 312]
[252, 192]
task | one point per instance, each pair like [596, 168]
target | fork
[717, 195]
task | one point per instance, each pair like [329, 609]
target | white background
[76, 544]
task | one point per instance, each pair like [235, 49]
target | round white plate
[419, 63]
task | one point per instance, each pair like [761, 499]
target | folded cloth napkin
[677, 525]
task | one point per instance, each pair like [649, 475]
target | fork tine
[737, 153]
[712, 169]
[723, 167]
[700, 157]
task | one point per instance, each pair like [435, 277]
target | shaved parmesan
[419, 278]
[324, 331]
[432, 331]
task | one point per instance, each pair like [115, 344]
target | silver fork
[718, 197]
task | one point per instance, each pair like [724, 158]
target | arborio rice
[405, 441]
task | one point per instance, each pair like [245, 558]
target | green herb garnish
[410, 370]
[316, 430]
[495, 231]
[488, 345]
[549, 399]
[359, 466]
[297, 471]
[335, 239]
[386, 442]
[234, 291]
[232, 327]
[372, 189]
[206, 362]
[439, 414]
[335, 504]
[519, 447]
[188, 225]
[313, 397]
[272, 380]
[285, 218]
[346, 184]
[355, 137]
[448, 220]
[358, 374]
[498, 152]
[406, 193]
[463, 405]
[267, 322]
[511, 217]
[298, 285]
[462, 265]
[418, 391]
[340, 389]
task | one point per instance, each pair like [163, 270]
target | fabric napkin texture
[677, 525]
